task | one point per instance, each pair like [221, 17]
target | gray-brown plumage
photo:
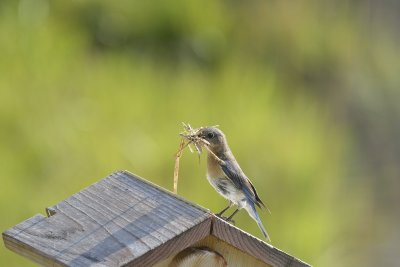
[227, 177]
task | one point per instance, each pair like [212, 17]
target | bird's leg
[229, 219]
[222, 211]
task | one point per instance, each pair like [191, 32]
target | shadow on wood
[124, 220]
[199, 257]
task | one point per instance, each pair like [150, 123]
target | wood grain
[124, 220]
[112, 223]
[175, 245]
[253, 246]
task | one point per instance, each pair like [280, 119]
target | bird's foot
[225, 219]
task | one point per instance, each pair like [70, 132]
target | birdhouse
[124, 220]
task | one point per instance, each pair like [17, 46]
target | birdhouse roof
[124, 220]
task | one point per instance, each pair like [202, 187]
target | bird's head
[215, 137]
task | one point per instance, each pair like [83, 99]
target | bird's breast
[213, 168]
[222, 183]
[228, 190]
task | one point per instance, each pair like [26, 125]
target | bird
[228, 179]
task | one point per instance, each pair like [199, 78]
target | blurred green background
[307, 93]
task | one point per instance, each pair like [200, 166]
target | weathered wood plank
[253, 246]
[124, 220]
[111, 223]
[175, 245]
[24, 248]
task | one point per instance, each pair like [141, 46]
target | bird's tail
[251, 209]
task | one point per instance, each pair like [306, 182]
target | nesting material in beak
[190, 136]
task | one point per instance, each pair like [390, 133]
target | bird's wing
[233, 173]
[259, 202]
[240, 180]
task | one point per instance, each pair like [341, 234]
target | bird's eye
[210, 135]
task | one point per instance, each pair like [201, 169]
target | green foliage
[90, 87]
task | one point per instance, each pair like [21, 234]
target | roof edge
[252, 245]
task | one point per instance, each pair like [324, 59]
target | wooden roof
[124, 220]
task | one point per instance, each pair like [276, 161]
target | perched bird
[226, 176]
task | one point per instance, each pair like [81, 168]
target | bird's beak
[200, 135]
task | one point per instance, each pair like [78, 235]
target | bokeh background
[307, 93]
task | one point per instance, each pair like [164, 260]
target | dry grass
[190, 137]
